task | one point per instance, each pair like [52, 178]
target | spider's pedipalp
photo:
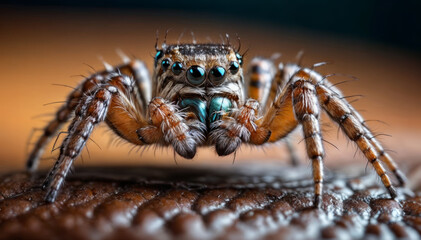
[169, 126]
[231, 131]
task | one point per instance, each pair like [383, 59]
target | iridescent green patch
[196, 105]
[217, 106]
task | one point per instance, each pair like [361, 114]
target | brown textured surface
[253, 202]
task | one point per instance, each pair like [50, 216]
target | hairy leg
[62, 116]
[340, 112]
[136, 69]
[91, 111]
[236, 127]
[324, 86]
[265, 81]
[170, 126]
[307, 112]
[260, 76]
[140, 97]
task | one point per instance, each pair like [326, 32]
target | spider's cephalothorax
[204, 81]
[196, 98]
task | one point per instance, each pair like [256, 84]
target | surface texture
[235, 203]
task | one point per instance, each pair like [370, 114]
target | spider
[197, 97]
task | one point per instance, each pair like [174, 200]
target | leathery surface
[207, 203]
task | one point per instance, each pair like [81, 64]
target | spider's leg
[280, 118]
[62, 115]
[292, 152]
[260, 76]
[138, 70]
[383, 155]
[339, 110]
[298, 103]
[307, 112]
[92, 109]
[142, 96]
[265, 81]
[114, 101]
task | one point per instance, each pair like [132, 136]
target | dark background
[385, 21]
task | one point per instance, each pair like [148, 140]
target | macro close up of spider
[200, 95]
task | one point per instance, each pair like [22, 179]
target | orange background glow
[44, 46]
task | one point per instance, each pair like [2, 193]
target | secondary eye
[240, 58]
[165, 64]
[234, 66]
[177, 67]
[217, 74]
[196, 75]
[158, 56]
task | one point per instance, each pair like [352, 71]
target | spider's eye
[165, 64]
[234, 66]
[196, 75]
[158, 56]
[217, 74]
[177, 67]
[240, 58]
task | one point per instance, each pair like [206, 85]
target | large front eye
[196, 75]
[177, 67]
[234, 66]
[217, 74]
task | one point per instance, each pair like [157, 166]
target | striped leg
[307, 111]
[141, 97]
[383, 155]
[170, 127]
[91, 111]
[265, 82]
[62, 116]
[138, 70]
[320, 80]
[340, 112]
[261, 74]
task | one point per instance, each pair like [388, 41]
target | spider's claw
[51, 195]
[187, 152]
[224, 148]
[317, 201]
[392, 192]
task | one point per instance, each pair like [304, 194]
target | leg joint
[344, 117]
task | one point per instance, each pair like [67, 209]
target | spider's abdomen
[206, 112]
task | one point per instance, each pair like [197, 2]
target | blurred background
[50, 42]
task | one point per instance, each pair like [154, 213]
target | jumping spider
[197, 97]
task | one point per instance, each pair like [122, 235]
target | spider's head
[198, 64]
